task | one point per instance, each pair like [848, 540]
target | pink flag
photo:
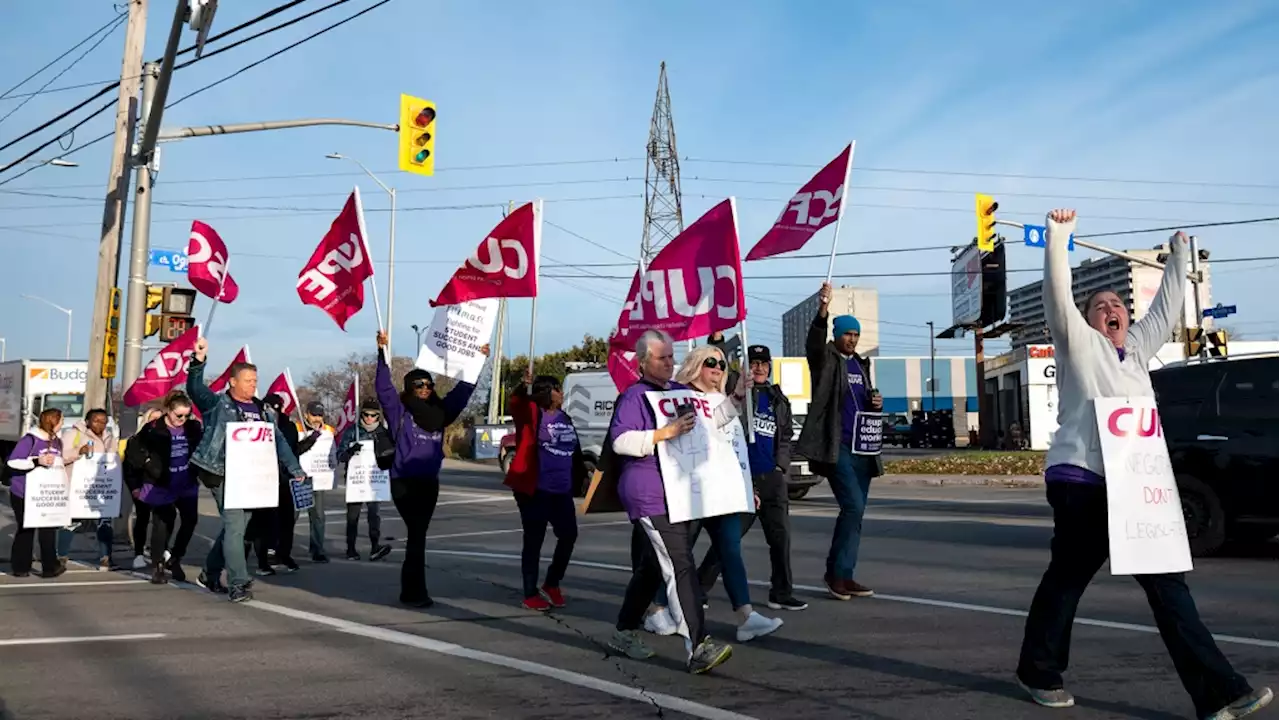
[167, 370]
[333, 278]
[220, 383]
[207, 264]
[347, 415]
[817, 205]
[693, 287]
[623, 368]
[505, 264]
[283, 386]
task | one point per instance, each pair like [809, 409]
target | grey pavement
[954, 566]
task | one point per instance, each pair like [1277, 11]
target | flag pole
[297, 401]
[222, 281]
[537, 250]
[844, 195]
[749, 382]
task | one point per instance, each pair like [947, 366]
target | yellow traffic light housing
[985, 211]
[177, 307]
[417, 135]
[111, 339]
[153, 325]
[155, 296]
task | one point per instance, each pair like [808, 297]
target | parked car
[800, 479]
[897, 429]
[1220, 423]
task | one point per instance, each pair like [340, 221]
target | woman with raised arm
[1100, 355]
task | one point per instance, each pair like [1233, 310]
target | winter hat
[315, 408]
[759, 353]
[371, 405]
[414, 375]
[844, 324]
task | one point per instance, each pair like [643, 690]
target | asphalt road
[954, 568]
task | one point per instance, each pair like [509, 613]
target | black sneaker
[320, 559]
[787, 603]
[290, 565]
[353, 555]
[240, 594]
[176, 572]
[57, 570]
[265, 571]
[212, 585]
[380, 552]
[158, 576]
[22, 574]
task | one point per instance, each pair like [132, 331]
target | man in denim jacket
[238, 404]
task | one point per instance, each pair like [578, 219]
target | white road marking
[1014, 521]
[30, 585]
[1257, 642]
[666, 702]
[85, 639]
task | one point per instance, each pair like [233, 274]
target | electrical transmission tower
[663, 219]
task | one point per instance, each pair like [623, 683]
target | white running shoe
[166, 556]
[661, 623]
[756, 626]
[139, 562]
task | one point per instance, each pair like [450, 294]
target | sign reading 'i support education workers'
[1145, 525]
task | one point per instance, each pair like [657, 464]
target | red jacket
[522, 475]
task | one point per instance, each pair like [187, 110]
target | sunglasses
[714, 363]
[372, 415]
[181, 415]
[422, 384]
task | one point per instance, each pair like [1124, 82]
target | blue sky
[1155, 91]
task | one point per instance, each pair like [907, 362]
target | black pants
[285, 518]
[666, 557]
[1079, 548]
[775, 520]
[163, 519]
[353, 523]
[141, 521]
[536, 512]
[415, 499]
[24, 539]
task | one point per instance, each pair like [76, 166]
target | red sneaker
[537, 602]
[553, 595]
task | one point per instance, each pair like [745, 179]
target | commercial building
[1135, 284]
[862, 303]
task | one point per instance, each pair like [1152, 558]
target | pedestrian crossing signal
[1198, 341]
[417, 135]
[985, 211]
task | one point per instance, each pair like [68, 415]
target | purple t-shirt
[557, 440]
[181, 482]
[640, 484]
[858, 397]
[251, 412]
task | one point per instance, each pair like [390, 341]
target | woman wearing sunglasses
[704, 370]
[157, 473]
[369, 427]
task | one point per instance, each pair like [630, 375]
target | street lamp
[55, 162]
[933, 370]
[417, 332]
[57, 307]
[2, 349]
[391, 250]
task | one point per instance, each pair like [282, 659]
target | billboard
[966, 287]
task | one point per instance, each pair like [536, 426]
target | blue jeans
[851, 484]
[228, 550]
[726, 539]
[315, 518]
[104, 532]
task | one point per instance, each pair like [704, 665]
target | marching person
[86, 440]
[841, 383]
[1100, 355]
[667, 556]
[276, 531]
[769, 456]
[158, 474]
[368, 427]
[237, 404]
[314, 427]
[417, 418]
[141, 512]
[704, 370]
[40, 446]
[547, 466]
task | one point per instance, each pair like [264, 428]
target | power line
[109, 27]
[6, 94]
[1181, 227]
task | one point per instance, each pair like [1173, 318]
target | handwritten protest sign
[319, 461]
[705, 471]
[96, 483]
[1144, 513]
[252, 470]
[452, 343]
[46, 502]
[366, 482]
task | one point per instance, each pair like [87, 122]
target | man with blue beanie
[841, 436]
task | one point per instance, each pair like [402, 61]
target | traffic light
[985, 212]
[1197, 340]
[111, 341]
[417, 135]
[176, 306]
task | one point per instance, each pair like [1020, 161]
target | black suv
[1220, 422]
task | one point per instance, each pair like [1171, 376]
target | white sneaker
[756, 626]
[166, 556]
[139, 562]
[661, 623]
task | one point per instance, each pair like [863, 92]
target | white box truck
[28, 387]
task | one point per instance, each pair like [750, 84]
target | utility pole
[117, 190]
[495, 380]
[933, 376]
[135, 320]
[1197, 278]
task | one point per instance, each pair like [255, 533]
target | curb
[1011, 481]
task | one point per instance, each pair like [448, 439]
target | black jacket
[820, 437]
[289, 433]
[781, 406]
[147, 454]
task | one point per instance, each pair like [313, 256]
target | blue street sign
[1219, 311]
[174, 260]
[1034, 236]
